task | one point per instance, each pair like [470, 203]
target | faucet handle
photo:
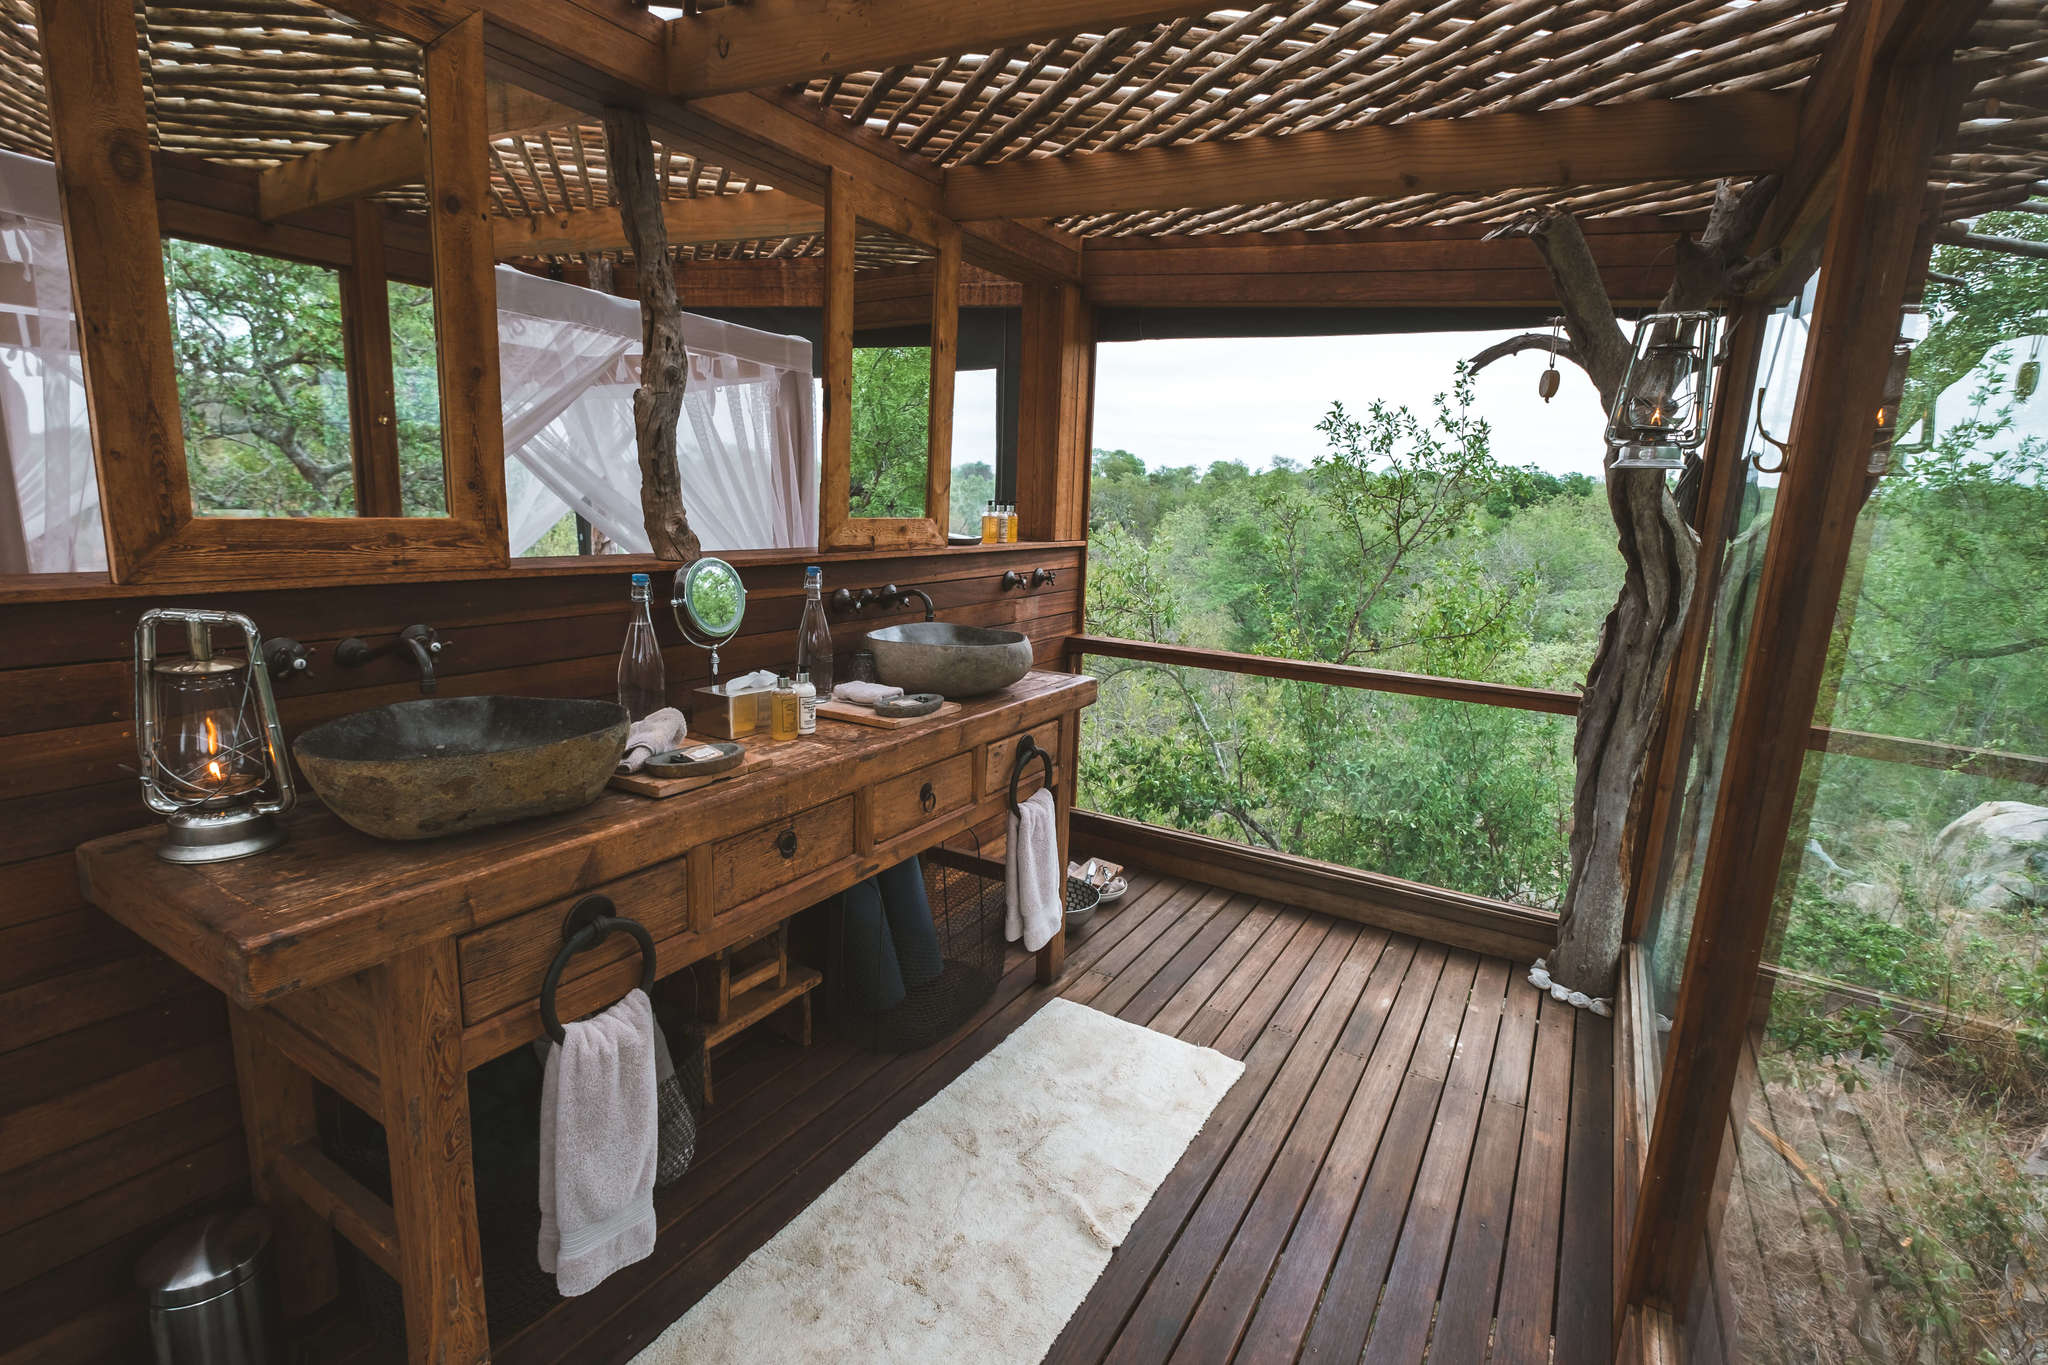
[286, 658]
[1041, 577]
[1012, 579]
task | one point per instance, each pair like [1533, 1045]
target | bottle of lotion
[783, 710]
[807, 705]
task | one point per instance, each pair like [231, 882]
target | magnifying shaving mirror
[709, 603]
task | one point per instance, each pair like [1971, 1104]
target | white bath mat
[976, 1227]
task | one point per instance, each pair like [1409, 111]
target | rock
[1998, 854]
[1872, 898]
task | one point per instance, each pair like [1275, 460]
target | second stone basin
[447, 765]
[953, 661]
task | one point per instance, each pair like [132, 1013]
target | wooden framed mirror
[383, 447]
[892, 317]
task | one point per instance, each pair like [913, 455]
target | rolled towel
[1034, 891]
[656, 733]
[599, 1146]
[864, 693]
[911, 929]
[760, 680]
[875, 981]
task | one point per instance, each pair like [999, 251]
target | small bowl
[1082, 902]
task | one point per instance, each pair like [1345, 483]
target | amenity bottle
[1010, 523]
[988, 523]
[806, 704]
[784, 711]
[814, 634]
[642, 688]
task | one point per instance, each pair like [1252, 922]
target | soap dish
[701, 759]
[902, 708]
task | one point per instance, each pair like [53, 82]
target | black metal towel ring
[1027, 749]
[589, 923]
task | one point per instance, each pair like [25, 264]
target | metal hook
[1027, 749]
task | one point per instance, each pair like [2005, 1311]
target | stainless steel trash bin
[210, 1292]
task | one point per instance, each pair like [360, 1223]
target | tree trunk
[664, 367]
[1620, 710]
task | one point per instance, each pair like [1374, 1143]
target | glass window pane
[416, 387]
[262, 384]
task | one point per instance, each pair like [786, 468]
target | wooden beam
[1702, 138]
[771, 43]
[1056, 380]
[753, 215]
[382, 159]
[372, 389]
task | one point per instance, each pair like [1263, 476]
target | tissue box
[714, 713]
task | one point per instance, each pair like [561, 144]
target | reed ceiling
[255, 81]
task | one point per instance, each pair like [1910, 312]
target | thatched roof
[255, 81]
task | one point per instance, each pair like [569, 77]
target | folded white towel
[655, 733]
[599, 1145]
[865, 694]
[1031, 879]
[760, 680]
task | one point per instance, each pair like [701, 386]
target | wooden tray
[865, 715]
[660, 787]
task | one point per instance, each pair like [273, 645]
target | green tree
[892, 413]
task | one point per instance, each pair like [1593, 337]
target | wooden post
[1056, 381]
[418, 1003]
[366, 341]
[664, 367]
[277, 1115]
[1898, 112]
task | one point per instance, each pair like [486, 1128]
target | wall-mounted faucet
[882, 598]
[424, 643]
[1038, 578]
[286, 658]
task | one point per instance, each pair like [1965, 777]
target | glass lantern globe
[208, 747]
[1660, 413]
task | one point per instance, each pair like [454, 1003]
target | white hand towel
[1031, 879]
[598, 1146]
[760, 680]
[865, 694]
[655, 733]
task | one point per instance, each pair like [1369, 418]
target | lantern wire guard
[208, 740]
[1660, 412]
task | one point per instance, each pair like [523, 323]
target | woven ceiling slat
[1149, 128]
[1156, 50]
[998, 99]
[985, 74]
[1101, 52]
[925, 88]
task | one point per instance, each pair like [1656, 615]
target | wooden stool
[749, 981]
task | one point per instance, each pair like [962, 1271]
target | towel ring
[1027, 749]
[590, 922]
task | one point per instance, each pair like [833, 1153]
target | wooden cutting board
[660, 787]
[865, 715]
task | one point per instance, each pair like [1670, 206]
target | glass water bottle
[814, 634]
[642, 688]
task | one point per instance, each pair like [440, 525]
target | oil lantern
[1660, 413]
[206, 732]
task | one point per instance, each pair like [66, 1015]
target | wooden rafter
[382, 159]
[780, 42]
[709, 218]
[1696, 139]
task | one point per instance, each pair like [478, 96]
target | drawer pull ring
[785, 843]
[1027, 749]
[589, 924]
[927, 798]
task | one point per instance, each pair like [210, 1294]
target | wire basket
[890, 989]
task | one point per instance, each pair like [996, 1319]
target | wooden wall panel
[118, 1111]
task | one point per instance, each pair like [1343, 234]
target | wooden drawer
[929, 793]
[1003, 752]
[502, 965]
[757, 862]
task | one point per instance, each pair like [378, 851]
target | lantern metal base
[1644, 456]
[218, 837]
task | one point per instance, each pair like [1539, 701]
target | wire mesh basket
[892, 984]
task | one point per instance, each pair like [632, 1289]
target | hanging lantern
[207, 735]
[1888, 409]
[1546, 383]
[1660, 413]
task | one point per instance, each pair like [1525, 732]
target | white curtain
[49, 499]
[569, 360]
[745, 449]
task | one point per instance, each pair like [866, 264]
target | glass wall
[1889, 1192]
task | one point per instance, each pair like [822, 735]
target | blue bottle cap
[640, 579]
[812, 568]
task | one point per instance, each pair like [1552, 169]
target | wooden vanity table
[388, 970]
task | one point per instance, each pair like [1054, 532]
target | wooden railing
[1821, 738]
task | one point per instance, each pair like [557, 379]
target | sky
[1194, 402]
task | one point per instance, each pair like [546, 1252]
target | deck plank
[1415, 1138]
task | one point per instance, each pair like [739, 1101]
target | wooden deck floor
[1416, 1163]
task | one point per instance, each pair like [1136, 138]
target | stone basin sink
[423, 769]
[953, 661]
